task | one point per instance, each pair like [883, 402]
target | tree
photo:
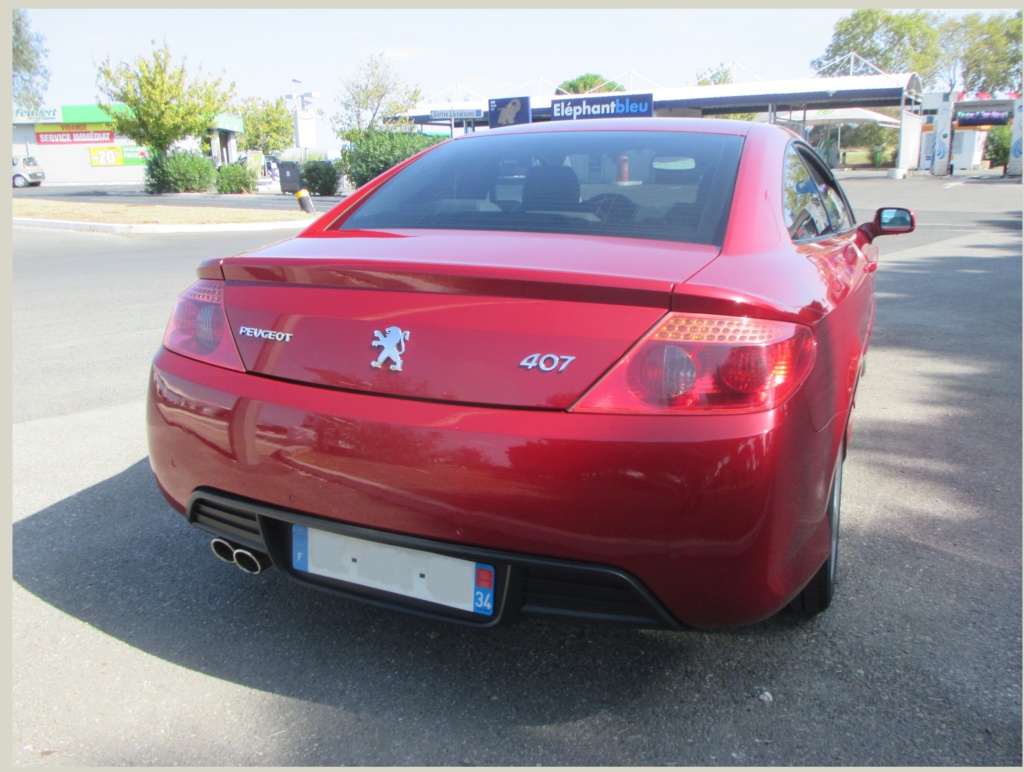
[871, 134]
[30, 77]
[982, 53]
[587, 83]
[720, 77]
[997, 146]
[268, 125]
[374, 98]
[372, 153]
[893, 42]
[154, 103]
[1014, 51]
[716, 77]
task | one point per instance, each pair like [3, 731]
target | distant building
[959, 142]
[77, 144]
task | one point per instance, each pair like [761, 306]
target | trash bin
[291, 179]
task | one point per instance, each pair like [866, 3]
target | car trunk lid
[517, 320]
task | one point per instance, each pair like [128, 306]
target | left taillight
[199, 326]
[693, 364]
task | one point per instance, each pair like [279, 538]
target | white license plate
[451, 582]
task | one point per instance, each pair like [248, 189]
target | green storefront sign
[83, 114]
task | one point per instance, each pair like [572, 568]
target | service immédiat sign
[73, 133]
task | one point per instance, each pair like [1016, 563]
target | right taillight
[199, 327]
[704, 364]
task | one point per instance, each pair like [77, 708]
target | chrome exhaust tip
[223, 550]
[251, 562]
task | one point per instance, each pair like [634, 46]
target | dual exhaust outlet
[250, 562]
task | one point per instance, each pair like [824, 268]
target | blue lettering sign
[632, 106]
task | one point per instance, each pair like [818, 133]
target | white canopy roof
[782, 95]
[839, 115]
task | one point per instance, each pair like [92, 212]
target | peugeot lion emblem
[392, 344]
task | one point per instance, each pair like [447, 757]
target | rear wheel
[817, 595]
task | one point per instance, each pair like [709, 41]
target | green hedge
[997, 146]
[320, 178]
[374, 152]
[180, 171]
[236, 178]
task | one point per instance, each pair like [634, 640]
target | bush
[236, 178]
[320, 178]
[180, 171]
[374, 152]
[997, 146]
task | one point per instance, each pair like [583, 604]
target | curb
[29, 222]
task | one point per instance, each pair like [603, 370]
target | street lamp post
[305, 126]
[303, 98]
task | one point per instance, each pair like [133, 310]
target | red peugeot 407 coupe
[599, 369]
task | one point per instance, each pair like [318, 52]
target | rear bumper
[525, 584]
[707, 521]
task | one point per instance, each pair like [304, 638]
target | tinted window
[803, 207]
[813, 203]
[650, 185]
[839, 213]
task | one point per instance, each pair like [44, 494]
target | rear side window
[634, 184]
[813, 204]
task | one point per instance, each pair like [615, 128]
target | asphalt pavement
[132, 645]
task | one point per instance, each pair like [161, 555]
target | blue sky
[488, 51]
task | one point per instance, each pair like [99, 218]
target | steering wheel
[613, 209]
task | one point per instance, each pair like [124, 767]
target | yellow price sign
[106, 156]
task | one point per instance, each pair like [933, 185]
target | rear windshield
[651, 185]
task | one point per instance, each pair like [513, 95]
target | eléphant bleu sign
[616, 106]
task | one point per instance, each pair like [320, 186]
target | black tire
[19, 181]
[817, 595]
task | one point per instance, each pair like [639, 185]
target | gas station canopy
[853, 91]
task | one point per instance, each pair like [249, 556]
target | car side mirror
[889, 221]
[892, 220]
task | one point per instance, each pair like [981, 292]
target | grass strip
[148, 214]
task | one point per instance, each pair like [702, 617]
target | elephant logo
[392, 343]
[508, 113]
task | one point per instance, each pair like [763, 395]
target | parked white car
[27, 171]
